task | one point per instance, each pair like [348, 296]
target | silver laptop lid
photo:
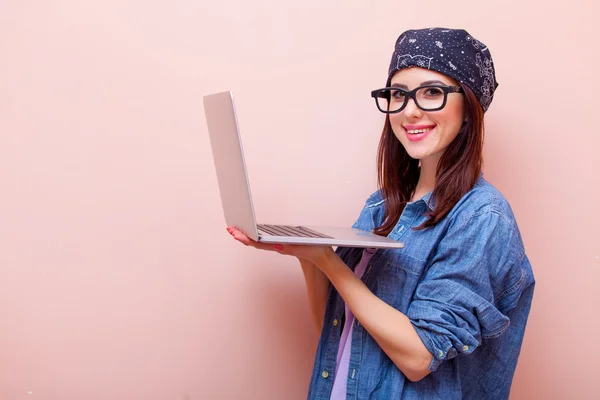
[229, 161]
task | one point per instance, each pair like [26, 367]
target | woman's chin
[417, 155]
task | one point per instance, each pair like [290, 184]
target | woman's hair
[457, 171]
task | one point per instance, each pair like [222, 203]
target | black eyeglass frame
[411, 94]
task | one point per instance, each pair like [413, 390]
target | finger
[239, 235]
[242, 238]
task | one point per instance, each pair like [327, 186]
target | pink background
[118, 279]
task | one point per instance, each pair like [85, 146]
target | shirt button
[325, 374]
[441, 353]
[465, 348]
[335, 322]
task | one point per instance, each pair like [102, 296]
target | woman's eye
[397, 95]
[433, 92]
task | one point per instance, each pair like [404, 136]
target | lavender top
[343, 356]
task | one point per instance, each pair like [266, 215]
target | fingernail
[278, 247]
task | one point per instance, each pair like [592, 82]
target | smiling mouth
[417, 131]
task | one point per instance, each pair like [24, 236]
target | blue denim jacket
[465, 284]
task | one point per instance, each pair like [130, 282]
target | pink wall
[118, 279]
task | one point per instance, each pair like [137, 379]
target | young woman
[444, 317]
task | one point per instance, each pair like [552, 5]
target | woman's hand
[311, 253]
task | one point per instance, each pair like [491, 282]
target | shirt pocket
[398, 279]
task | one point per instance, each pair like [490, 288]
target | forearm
[317, 286]
[392, 330]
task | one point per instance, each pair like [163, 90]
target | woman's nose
[411, 110]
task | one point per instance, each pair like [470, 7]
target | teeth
[414, 131]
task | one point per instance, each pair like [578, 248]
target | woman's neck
[426, 181]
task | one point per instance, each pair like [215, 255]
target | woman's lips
[420, 135]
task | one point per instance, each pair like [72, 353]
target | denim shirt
[465, 284]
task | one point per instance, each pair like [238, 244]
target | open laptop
[236, 199]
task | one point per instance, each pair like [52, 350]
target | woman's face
[426, 134]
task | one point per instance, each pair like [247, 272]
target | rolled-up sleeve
[474, 265]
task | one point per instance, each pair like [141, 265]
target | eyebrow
[435, 81]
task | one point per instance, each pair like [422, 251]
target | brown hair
[457, 171]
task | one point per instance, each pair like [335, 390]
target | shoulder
[483, 217]
[371, 215]
[374, 200]
[483, 199]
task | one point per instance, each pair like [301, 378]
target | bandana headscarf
[452, 52]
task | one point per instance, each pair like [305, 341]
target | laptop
[235, 193]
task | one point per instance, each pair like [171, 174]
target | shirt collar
[428, 200]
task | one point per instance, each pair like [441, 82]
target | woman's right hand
[246, 241]
[315, 254]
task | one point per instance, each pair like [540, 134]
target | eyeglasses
[392, 100]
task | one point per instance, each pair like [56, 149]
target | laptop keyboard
[288, 230]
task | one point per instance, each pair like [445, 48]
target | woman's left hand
[311, 253]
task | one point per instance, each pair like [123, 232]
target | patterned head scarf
[452, 52]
